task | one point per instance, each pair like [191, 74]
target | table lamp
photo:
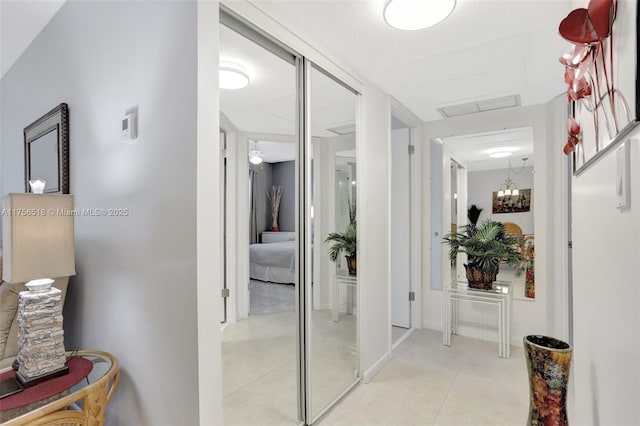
[38, 246]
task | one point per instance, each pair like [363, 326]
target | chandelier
[509, 188]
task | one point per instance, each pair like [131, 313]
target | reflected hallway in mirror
[332, 364]
[259, 337]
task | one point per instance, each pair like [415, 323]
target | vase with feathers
[274, 196]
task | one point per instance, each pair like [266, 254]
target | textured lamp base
[32, 381]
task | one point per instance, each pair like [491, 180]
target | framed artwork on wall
[520, 203]
[602, 76]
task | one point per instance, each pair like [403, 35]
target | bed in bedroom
[273, 260]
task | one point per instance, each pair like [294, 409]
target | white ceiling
[268, 104]
[20, 22]
[275, 152]
[475, 148]
[485, 49]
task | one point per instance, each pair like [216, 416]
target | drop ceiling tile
[451, 66]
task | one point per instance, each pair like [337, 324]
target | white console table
[350, 281]
[500, 296]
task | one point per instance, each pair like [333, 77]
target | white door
[436, 215]
[400, 229]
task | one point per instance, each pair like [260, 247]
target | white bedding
[274, 262]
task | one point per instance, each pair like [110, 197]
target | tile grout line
[447, 395]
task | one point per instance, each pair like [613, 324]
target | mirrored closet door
[258, 101]
[290, 343]
[332, 286]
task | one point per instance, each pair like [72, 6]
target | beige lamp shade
[38, 237]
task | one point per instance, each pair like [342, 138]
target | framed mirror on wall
[493, 161]
[46, 151]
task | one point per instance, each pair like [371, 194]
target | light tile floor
[259, 366]
[427, 383]
[259, 370]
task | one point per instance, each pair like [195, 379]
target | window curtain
[253, 208]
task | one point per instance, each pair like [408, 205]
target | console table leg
[336, 307]
[94, 406]
[446, 329]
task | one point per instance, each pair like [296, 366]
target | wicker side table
[89, 398]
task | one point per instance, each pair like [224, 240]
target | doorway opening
[401, 236]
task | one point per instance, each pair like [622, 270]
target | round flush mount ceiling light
[255, 156]
[232, 76]
[501, 152]
[417, 14]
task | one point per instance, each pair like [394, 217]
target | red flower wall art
[601, 75]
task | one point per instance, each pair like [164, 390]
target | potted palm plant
[345, 241]
[486, 245]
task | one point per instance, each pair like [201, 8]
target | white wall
[606, 295]
[606, 291]
[374, 254]
[134, 294]
[482, 185]
[528, 316]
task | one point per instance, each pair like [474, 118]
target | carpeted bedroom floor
[269, 298]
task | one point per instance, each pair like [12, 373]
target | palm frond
[345, 241]
[486, 245]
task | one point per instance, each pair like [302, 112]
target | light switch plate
[129, 125]
[623, 175]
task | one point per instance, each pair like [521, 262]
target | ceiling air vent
[344, 129]
[480, 106]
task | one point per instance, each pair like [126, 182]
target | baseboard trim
[322, 307]
[402, 339]
[475, 332]
[432, 325]
[372, 372]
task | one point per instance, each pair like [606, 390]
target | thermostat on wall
[129, 125]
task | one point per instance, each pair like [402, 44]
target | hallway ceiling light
[417, 14]
[501, 151]
[255, 156]
[232, 76]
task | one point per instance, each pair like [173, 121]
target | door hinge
[412, 149]
[412, 296]
[225, 292]
[570, 244]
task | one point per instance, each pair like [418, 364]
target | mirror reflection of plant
[486, 245]
[473, 214]
[343, 241]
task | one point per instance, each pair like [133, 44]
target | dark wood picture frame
[56, 120]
